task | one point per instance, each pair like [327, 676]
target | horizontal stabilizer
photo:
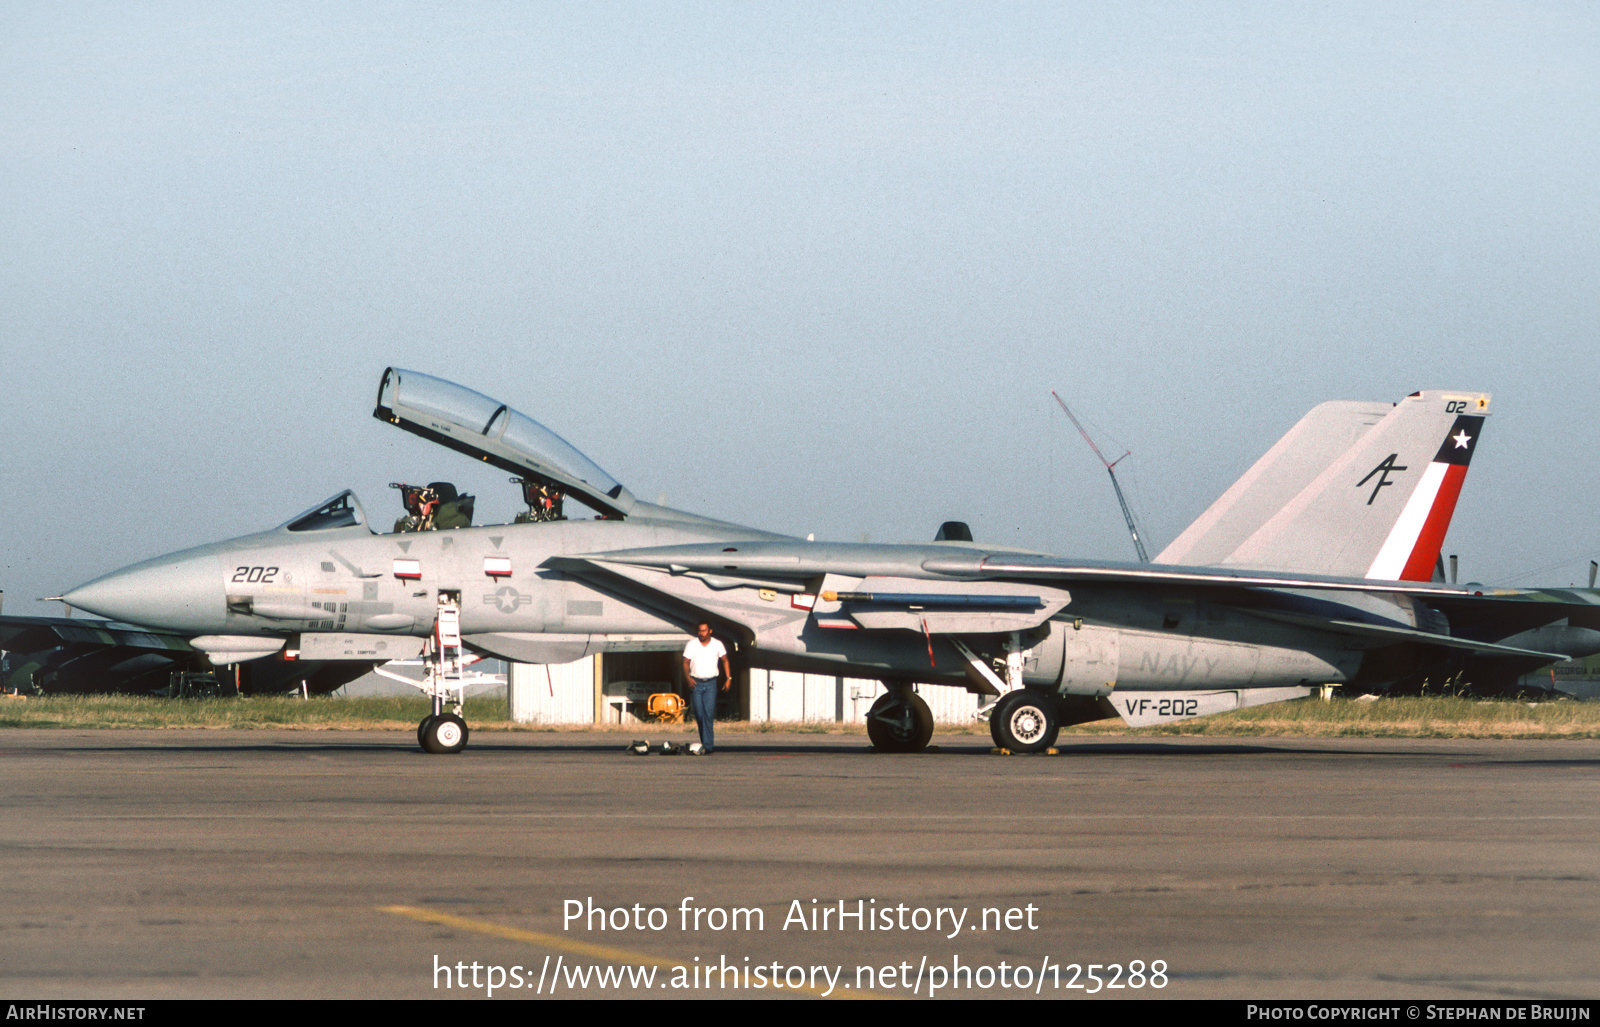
[1400, 634]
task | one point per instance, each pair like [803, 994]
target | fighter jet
[76, 656]
[53, 655]
[1317, 561]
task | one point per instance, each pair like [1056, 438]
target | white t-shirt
[703, 658]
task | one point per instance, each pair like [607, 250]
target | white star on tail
[1462, 438]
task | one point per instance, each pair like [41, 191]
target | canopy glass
[487, 429]
[342, 511]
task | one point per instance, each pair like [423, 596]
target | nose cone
[181, 592]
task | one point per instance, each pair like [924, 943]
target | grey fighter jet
[1317, 561]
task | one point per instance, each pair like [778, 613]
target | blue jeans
[704, 704]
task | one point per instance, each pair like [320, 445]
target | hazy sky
[813, 268]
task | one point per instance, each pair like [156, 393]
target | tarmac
[300, 864]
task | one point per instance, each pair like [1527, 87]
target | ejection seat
[433, 507]
[544, 501]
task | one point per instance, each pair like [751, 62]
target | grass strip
[1415, 717]
[1402, 717]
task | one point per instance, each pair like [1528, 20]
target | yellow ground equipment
[666, 707]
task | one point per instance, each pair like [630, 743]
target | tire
[1025, 721]
[445, 734]
[900, 723]
[994, 728]
[422, 731]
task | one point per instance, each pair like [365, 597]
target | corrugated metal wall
[564, 694]
[791, 697]
[552, 693]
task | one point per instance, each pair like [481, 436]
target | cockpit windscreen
[342, 511]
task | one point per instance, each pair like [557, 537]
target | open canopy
[488, 430]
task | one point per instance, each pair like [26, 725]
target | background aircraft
[79, 655]
[45, 655]
[1319, 556]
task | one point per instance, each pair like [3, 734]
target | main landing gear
[1024, 720]
[900, 721]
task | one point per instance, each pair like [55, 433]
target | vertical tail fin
[1354, 490]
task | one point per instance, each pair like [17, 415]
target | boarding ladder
[444, 669]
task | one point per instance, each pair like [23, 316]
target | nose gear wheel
[444, 734]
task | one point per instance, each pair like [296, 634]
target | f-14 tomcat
[1312, 569]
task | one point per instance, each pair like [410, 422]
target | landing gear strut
[442, 733]
[900, 721]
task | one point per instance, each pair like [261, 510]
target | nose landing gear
[442, 733]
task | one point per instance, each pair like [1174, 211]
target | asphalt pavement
[296, 864]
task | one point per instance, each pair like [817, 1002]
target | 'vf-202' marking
[1162, 707]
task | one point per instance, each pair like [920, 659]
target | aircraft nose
[181, 592]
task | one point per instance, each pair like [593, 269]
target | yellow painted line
[584, 948]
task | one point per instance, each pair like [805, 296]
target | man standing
[702, 658]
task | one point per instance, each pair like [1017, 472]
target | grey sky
[813, 268]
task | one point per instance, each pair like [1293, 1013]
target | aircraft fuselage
[519, 599]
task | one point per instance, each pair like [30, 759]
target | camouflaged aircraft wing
[31, 634]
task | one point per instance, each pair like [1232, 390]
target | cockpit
[549, 468]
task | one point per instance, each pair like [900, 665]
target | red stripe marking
[1425, 554]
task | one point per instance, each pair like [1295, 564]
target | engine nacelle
[1089, 660]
